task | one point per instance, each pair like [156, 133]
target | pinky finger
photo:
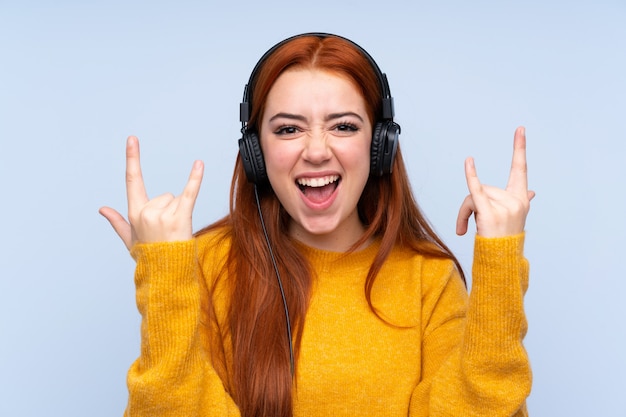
[192, 189]
[473, 183]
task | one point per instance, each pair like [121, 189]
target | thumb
[119, 224]
[465, 212]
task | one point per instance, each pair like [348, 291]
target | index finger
[518, 177]
[135, 189]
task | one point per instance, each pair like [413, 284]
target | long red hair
[260, 378]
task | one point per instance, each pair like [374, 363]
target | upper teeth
[318, 182]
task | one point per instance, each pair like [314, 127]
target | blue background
[78, 77]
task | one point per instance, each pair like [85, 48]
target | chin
[323, 229]
[318, 226]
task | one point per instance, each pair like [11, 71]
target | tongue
[319, 194]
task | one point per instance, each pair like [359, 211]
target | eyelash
[286, 130]
[347, 126]
[291, 129]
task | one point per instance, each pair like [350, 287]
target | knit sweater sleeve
[173, 375]
[473, 359]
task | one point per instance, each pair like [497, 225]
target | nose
[317, 148]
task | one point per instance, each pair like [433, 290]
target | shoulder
[429, 268]
[213, 247]
[410, 281]
[434, 274]
[213, 238]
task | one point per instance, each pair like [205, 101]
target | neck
[339, 240]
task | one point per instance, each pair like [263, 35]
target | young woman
[325, 292]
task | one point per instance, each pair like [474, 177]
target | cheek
[358, 153]
[279, 157]
[365, 160]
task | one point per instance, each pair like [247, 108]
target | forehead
[301, 87]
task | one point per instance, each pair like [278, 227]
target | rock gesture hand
[498, 212]
[162, 219]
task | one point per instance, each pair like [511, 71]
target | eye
[286, 130]
[346, 127]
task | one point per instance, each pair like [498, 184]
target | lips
[318, 190]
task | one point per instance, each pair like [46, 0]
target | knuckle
[134, 217]
[164, 218]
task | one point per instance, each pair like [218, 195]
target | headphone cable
[280, 282]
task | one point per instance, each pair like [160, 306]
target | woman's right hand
[163, 219]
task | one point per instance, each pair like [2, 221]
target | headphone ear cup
[392, 136]
[375, 151]
[252, 158]
[384, 147]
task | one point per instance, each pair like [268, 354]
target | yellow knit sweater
[450, 355]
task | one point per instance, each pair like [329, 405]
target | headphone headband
[245, 108]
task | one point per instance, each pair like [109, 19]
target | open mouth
[318, 189]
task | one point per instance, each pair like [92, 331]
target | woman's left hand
[498, 212]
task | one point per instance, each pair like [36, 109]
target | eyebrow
[333, 116]
[288, 116]
[301, 118]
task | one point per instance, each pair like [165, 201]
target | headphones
[384, 134]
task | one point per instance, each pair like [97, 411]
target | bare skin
[498, 212]
[162, 219]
